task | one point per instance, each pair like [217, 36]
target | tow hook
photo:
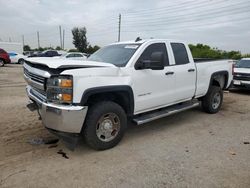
[32, 106]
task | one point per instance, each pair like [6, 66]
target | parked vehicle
[28, 53]
[17, 58]
[140, 81]
[4, 57]
[46, 53]
[73, 56]
[241, 74]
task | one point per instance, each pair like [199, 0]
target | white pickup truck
[139, 81]
[241, 74]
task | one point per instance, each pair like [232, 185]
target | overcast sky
[220, 23]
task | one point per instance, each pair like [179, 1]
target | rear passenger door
[185, 73]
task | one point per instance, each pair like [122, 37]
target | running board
[151, 116]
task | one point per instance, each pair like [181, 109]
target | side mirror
[156, 62]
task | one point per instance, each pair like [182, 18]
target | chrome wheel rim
[216, 101]
[1, 63]
[108, 127]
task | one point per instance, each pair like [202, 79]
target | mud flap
[70, 139]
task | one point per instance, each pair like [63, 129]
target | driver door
[153, 88]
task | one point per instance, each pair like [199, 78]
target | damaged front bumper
[65, 121]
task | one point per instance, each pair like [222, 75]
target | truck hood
[242, 70]
[55, 63]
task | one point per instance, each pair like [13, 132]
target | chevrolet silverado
[139, 81]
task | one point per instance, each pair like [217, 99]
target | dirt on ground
[189, 149]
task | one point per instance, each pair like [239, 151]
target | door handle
[169, 73]
[191, 70]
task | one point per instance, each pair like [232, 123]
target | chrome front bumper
[68, 119]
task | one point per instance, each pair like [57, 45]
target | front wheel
[105, 125]
[1, 63]
[212, 101]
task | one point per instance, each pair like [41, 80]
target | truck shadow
[135, 132]
[240, 91]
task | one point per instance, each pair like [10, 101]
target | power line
[212, 13]
[158, 9]
[188, 19]
[178, 7]
[189, 25]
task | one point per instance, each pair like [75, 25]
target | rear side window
[180, 53]
[157, 47]
[70, 55]
[78, 55]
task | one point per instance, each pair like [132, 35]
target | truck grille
[241, 76]
[34, 77]
[37, 82]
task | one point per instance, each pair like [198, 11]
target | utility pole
[38, 40]
[9, 39]
[23, 40]
[119, 28]
[63, 39]
[60, 31]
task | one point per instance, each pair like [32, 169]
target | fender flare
[218, 73]
[107, 89]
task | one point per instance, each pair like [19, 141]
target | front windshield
[117, 54]
[243, 64]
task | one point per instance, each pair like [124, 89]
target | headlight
[60, 89]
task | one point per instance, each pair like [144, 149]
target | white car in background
[73, 56]
[17, 58]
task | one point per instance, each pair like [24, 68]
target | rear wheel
[21, 61]
[212, 101]
[1, 62]
[105, 125]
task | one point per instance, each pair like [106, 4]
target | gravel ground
[190, 149]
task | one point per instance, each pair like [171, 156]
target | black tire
[2, 62]
[209, 100]
[92, 125]
[21, 61]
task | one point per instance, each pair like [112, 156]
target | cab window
[157, 47]
[180, 53]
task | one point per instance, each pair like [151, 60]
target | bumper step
[147, 117]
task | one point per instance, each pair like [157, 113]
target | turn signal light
[66, 97]
[66, 83]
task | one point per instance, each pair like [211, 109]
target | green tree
[91, 50]
[58, 48]
[26, 48]
[73, 50]
[80, 39]
[205, 51]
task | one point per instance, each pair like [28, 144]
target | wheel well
[2, 59]
[220, 80]
[120, 97]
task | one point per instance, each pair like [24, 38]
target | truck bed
[206, 69]
[202, 60]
